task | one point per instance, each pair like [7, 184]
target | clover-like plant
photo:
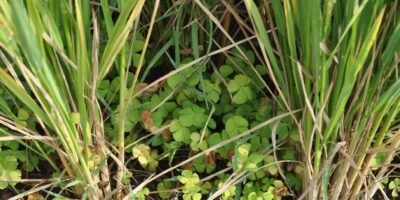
[225, 70]
[234, 125]
[204, 164]
[260, 141]
[293, 181]
[160, 109]
[252, 191]
[132, 116]
[187, 75]
[191, 185]
[179, 132]
[271, 168]
[246, 160]
[192, 115]
[146, 157]
[196, 143]
[394, 186]
[228, 194]
[212, 90]
[225, 103]
[137, 47]
[240, 86]
[206, 187]
[163, 188]
[185, 95]
[108, 90]
[9, 172]
[246, 110]
[141, 194]
[256, 175]
[22, 117]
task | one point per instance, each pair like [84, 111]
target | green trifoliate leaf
[196, 144]
[240, 86]
[9, 174]
[179, 132]
[235, 125]
[212, 90]
[142, 153]
[193, 116]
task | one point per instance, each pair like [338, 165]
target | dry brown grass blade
[95, 116]
[41, 188]
[316, 178]
[29, 133]
[30, 137]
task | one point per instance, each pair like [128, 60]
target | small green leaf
[256, 157]
[135, 59]
[196, 144]
[212, 90]
[242, 80]
[196, 196]
[250, 56]
[233, 86]
[162, 186]
[225, 70]
[261, 70]
[243, 152]
[271, 169]
[279, 184]
[392, 185]
[174, 80]
[214, 139]
[180, 133]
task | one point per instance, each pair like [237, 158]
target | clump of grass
[338, 61]
[54, 49]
